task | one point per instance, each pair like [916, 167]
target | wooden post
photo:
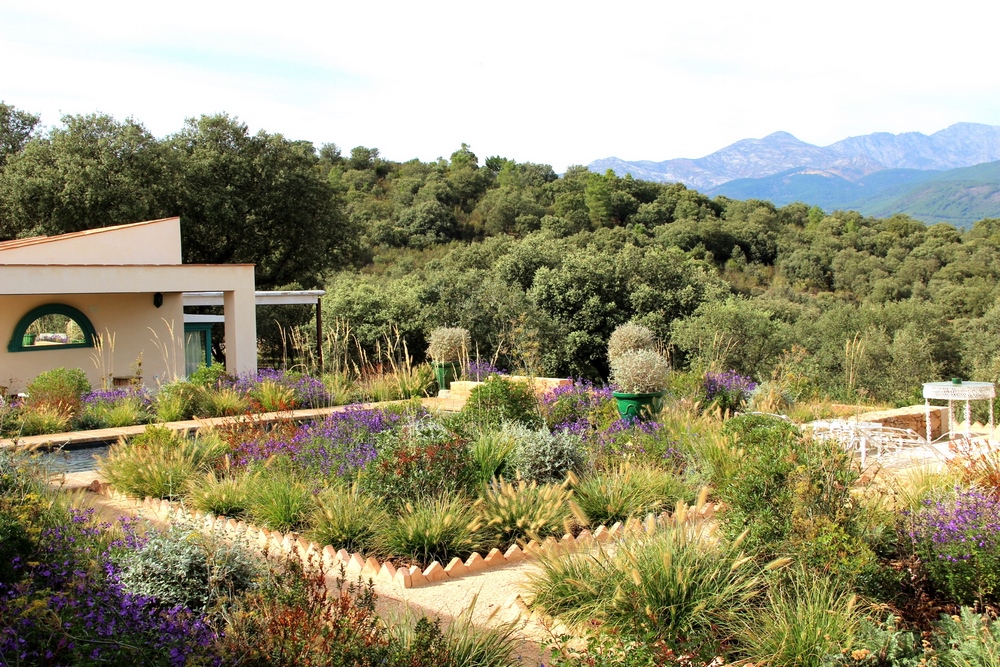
[319, 333]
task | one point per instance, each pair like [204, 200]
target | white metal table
[958, 391]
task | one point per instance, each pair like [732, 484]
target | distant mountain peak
[962, 144]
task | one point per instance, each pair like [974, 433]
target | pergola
[263, 298]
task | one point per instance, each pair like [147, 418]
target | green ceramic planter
[445, 373]
[638, 406]
[29, 339]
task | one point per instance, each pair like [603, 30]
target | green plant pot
[29, 339]
[640, 406]
[445, 373]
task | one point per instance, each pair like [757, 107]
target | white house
[102, 298]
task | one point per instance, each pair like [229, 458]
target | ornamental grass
[159, 463]
[439, 529]
[626, 491]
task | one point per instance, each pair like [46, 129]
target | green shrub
[543, 456]
[208, 376]
[184, 566]
[159, 462]
[491, 453]
[422, 458]
[345, 518]
[500, 400]
[61, 388]
[25, 510]
[679, 583]
[759, 496]
[278, 500]
[801, 624]
[630, 490]
[220, 495]
[969, 640]
[516, 512]
[435, 529]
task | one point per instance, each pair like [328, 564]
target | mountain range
[936, 178]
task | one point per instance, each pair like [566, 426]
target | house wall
[129, 316]
[155, 242]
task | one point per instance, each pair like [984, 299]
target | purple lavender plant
[728, 391]
[958, 541]
[479, 370]
[339, 445]
[578, 408]
[66, 607]
[309, 392]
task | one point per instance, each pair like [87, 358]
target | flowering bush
[727, 391]
[579, 408]
[421, 459]
[341, 444]
[480, 370]
[121, 406]
[958, 541]
[305, 391]
[66, 607]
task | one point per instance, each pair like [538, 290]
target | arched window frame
[16, 343]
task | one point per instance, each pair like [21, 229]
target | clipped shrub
[630, 490]
[279, 500]
[422, 458]
[345, 518]
[59, 388]
[630, 337]
[183, 566]
[220, 495]
[958, 541]
[500, 400]
[435, 529]
[524, 510]
[640, 372]
[802, 624]
[448, 344]
[491, 453]
[159, 462]
[680, 583]
[543, 456]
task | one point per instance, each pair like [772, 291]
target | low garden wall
[463, 388]
[357, 565]
[912, 417]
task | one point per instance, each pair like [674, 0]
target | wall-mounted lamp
[158, 299]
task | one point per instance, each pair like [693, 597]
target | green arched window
[54, 326]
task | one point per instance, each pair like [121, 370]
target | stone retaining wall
[912, 417]
[463, 388]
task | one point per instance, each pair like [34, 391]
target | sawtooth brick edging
[356, 565]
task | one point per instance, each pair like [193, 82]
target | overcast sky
[554, 82]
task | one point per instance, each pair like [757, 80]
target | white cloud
[554, 82]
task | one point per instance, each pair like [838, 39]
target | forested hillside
[540, 267]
